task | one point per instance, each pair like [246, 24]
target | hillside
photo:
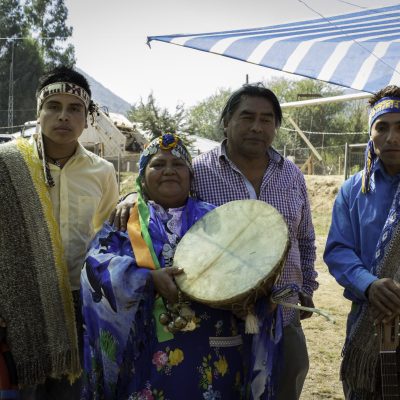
[105, 97]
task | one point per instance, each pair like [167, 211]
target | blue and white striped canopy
[359, 50]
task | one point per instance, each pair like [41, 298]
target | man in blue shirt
[362, 247]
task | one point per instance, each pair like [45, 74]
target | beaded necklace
[57, 161]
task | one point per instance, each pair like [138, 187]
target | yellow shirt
[84, 195]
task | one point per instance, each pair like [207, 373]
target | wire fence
[334, 161]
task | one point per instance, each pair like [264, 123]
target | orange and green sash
[145, 255]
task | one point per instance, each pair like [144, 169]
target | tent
[360, 50]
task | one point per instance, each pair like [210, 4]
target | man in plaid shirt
[245, 166]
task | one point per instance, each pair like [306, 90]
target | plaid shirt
[218, 181]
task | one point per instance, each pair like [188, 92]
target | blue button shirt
[357, 222]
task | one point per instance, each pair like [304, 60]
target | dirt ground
[324, 339]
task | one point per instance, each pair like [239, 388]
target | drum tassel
[251, 324]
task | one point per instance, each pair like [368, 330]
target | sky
[110, 42]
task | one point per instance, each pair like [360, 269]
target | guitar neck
[389, 343]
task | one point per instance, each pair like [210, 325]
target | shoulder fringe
[359, 370]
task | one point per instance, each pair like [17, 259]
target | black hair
[63, 74]
[66, 74]
[388, 91]
[253, 90]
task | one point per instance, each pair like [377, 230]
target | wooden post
[310, 165]
[346, 161]
[304, 137]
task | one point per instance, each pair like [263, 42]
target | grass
[127, 182]
[324, 339]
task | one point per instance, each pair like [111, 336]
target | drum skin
[233, 252]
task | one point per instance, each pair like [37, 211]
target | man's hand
[120, 216]
[384, 297]
[306, 301]
[164, 282]
[379, 316]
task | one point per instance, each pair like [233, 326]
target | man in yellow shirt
[54, 196]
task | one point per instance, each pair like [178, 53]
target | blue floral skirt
[205, 364]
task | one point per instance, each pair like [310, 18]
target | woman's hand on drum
[306, 301]
[164, 283]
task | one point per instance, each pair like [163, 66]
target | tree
[47, 18]
[155, 119]
[310, 118]
[24, 27]
[12, 22]
[23, 55]
[203, 118]
[340, 117]
[329, 117]
[27, 68]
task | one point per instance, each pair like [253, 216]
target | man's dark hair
[63, 74]
[388, 91]
[252, 90]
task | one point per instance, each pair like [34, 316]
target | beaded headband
[167, 141]
[63, 88]
[383, 106]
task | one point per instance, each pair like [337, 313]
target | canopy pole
[323, 100]
[304, 137]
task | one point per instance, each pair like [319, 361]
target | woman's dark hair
[252, 90]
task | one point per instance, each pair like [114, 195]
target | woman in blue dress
[142, 339]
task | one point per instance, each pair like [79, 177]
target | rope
[279, 296]
[323, 313]
[326, 133]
